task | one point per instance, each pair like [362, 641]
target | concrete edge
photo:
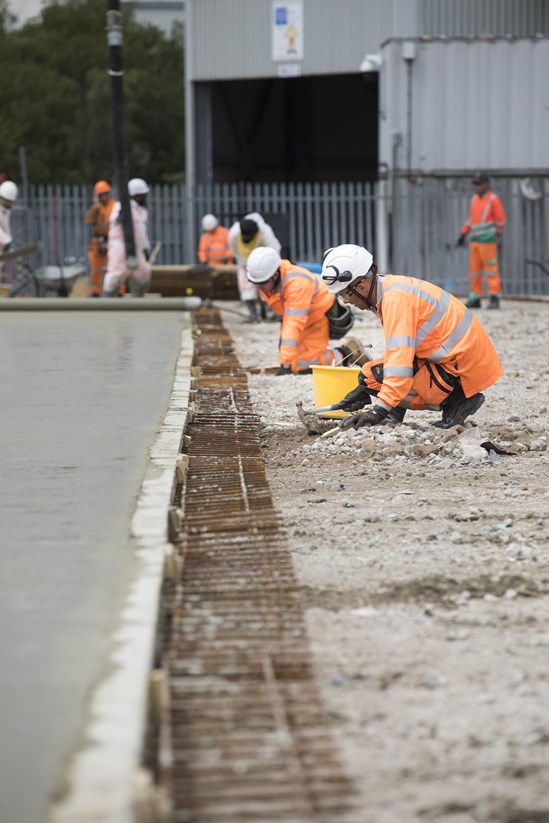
[106, 781]
[103, 304]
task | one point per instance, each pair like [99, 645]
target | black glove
[461, 240]
[147, 253]
[370, 418]
[7, 247]
[286, 369]
[356, 399]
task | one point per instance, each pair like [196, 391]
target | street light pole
[116, 73]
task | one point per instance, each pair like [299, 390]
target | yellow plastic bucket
[331, 384]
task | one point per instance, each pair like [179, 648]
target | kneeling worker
[437, 354]
[303, 301]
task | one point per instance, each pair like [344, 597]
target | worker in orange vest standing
[484, 227]
[98, 216]
[213, 247]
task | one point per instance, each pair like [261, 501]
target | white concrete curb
[105, 779]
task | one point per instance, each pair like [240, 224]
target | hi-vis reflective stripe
[397, 371]
[435, 318]
[487, 209]
[452, 339]
[310, 277]
[441, 307]
[289, 342]
[400, 341]
[297, 312]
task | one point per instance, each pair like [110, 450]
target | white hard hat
[262, 264]
[209, 222]
[137, 186]
[9, 191]
[343, 265]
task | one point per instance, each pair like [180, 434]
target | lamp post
[116, 73]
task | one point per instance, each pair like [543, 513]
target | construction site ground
[423, 561]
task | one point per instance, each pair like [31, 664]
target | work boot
[494, 301]
[354, 353]
[474, 303]
[396, 415]
[457, 408]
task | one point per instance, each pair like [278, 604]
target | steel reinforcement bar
[249, 739]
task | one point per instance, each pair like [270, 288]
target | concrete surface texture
[82, 395]
[423, 562]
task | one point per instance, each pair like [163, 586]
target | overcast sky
[23, 9]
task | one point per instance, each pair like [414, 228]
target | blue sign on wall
[281, 16]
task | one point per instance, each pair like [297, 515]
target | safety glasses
[352, 290]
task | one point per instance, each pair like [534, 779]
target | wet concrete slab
[82, 396]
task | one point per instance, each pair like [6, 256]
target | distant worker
[246, 235]
[97, 217]
[8, 196]
[213, 247]
[305, 305]
[484, 227]
[437, 354]
[117, 272]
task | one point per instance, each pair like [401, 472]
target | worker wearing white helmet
[8, 196]
[303, 302]
[213, 246]
[437, 354]
[117, 271]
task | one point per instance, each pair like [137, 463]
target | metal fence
[410, 226]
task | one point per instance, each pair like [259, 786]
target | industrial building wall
[457, 105]
[232, 39]
[481, 18]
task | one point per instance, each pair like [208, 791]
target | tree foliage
[55, 98]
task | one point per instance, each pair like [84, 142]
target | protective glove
[285, 369]
[7, 247]
[355, 400]
[370, 418]
[147, 253]
[461, 240]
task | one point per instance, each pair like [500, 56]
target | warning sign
[287, 30]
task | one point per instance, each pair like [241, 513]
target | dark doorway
[304, 129]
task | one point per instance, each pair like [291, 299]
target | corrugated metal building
[449, 105]
[260, 112]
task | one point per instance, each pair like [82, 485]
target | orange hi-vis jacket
[423, 322]
[98, 216]
[213, 247]
[486, 219]
[302, 299]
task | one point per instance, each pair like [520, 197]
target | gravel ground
[423, 558]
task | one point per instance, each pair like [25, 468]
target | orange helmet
[101, 187]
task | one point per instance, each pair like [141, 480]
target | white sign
[287, 30]
[289, 70]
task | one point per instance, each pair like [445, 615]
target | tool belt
[341, 320]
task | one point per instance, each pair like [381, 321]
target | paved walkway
[81, 396]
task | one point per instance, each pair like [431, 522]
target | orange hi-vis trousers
[97, 259]
[431, 384]
[483, 260]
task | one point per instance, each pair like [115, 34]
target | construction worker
[213, 247]
[8, 196]
[484, 227]
[117, 270]
[437, 354]
[98, 216]
[304, 303]
[246, 235]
